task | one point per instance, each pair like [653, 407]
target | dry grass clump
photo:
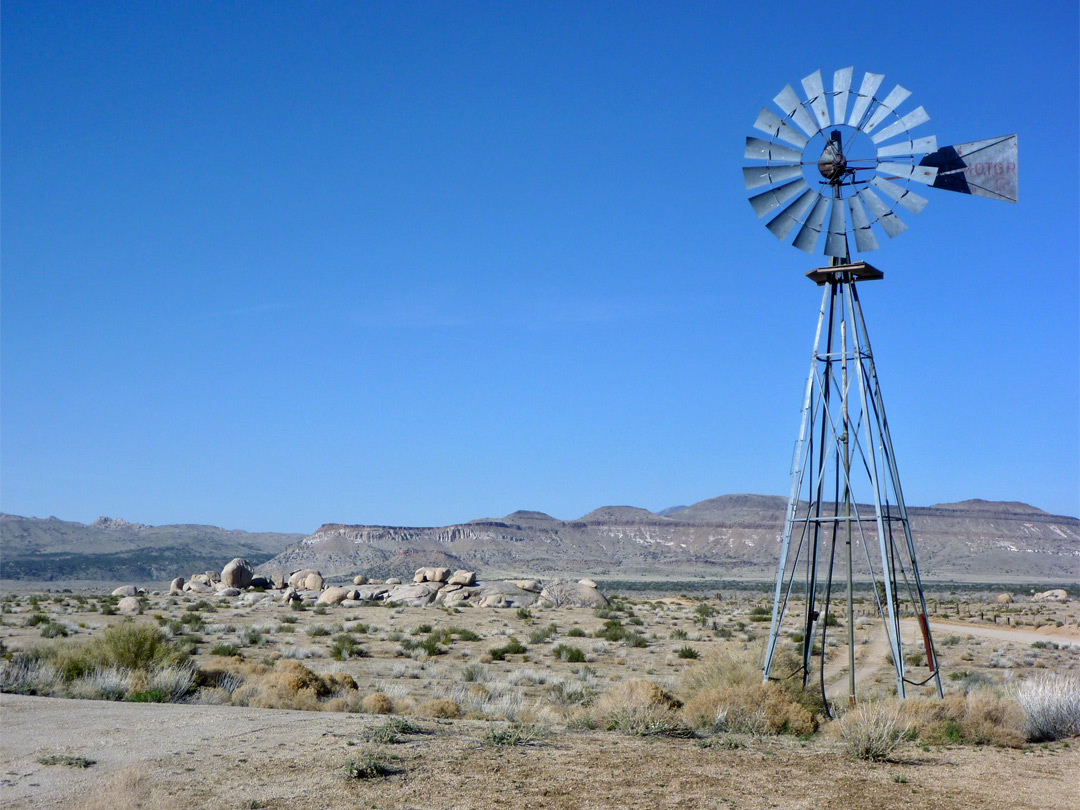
[378, 703]
[291, 685]
[128, 789]
[640, 708]
[129, 661]
[873, 731]
[439, 707]
[1050, 703]
[726, 695]
[980, 717]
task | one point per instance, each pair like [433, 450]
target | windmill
[843, 163]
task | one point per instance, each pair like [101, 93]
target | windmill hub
[832, 163]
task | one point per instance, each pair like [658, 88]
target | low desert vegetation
[677, 667]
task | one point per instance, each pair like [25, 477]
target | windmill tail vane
[843, 161]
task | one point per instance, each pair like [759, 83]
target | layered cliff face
[729, 536]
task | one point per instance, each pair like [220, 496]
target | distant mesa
[736, 536]
[525, 514]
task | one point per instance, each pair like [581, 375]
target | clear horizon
[270, 267]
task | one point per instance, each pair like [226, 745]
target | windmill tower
[842, 163]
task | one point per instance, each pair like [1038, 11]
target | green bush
[132, 645]
[564, 652]
[368, 765]
[687, 652]
[512, 647]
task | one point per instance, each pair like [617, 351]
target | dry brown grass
[378, 703]
[725, 693]
[638, 707]
[128, 789]
[980, 717]
[439, 707]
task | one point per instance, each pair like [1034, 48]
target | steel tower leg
[847, 489]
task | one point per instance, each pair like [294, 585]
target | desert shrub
[678, 635]
[66, 759]
[378, 703]
[475, 673]
[980, 717]
[725, 694]
[750, 708]
[612, 630]
[1050, 703]
[28, 675]
[134, 646]
[687, 652]
[345, 646]
[524, 614]
[872, 731]
[719, 669]
[369, 765]
[464, 634]
[51, 629]
[174, 682]
[289, 685]
[640, 708]
[635, 640]
[571, 692]
[317, 630]
[543, 634]
[566, 652]
[225, 649]
[439, 707]
[513, 734]
[390, 732]
[421, 629]
[575, 632]
[512, 647]
[428, 645]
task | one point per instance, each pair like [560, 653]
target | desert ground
[639, 704]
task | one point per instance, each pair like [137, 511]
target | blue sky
[270, 265]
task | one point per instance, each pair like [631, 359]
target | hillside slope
[112, 548]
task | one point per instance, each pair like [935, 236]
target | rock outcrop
[237, 573]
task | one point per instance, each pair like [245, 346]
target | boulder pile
[429, 586]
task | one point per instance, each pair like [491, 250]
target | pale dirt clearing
[227, 757]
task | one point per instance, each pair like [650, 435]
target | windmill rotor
[843, 162]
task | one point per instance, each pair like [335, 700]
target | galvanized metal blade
[869, 86]
[756, 176]
[905, 124]
[987, 168]
[892, 101]
[919, 146]
[836, 241]
[808, 234]
[768, 122]
[759, 149]
[905, 196]
[788, 101]
[815, 97]
[841, 83]
[920, 174]
[782, 223]
[865, 240]
[770, 200]
[890, 222]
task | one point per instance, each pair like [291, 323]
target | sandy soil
[227, 757]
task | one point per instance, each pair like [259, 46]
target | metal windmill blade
[847, 172]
